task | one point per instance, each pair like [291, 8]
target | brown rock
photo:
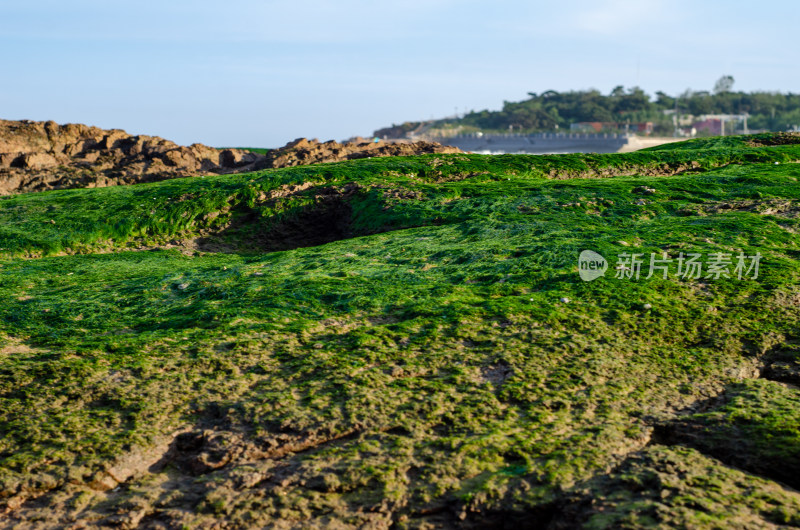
[303, 151]
[231, 158]
[90, 157]
[8, 160]
[38, 160]
[78, 147]
[179, 158]
[113, 139]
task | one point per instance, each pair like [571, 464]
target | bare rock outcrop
[38, 156]
[303, 151]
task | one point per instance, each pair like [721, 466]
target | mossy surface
[404, 342]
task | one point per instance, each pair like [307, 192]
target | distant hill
[620, 110]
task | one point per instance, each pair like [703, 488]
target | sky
[252, 73]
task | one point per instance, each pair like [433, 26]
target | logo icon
[591, 265]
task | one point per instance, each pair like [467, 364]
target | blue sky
[261, 73]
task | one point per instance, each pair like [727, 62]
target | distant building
[712, 126]
[680, 119]
[722, 124]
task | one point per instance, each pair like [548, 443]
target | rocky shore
[39, 156]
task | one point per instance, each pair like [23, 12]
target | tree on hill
[724, 84]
